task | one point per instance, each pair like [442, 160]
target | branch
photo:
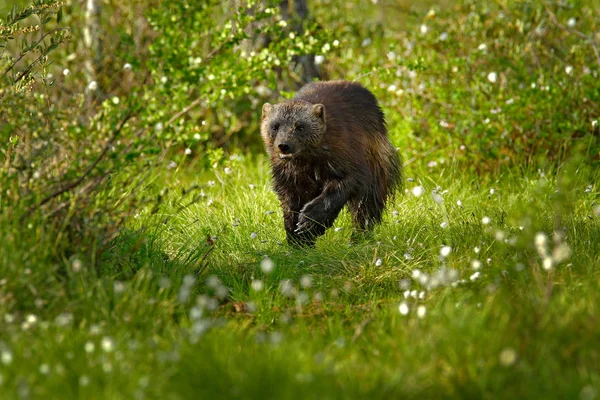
[91, 167]
[575, 32]
[30, 47]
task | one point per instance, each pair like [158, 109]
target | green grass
[157, 317]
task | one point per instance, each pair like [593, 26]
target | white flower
[378, 262]
[475, 276]
[508, 357]
[6, 357]
[257, 285]
[107, 344]
[445, 251]
[127, 67]
[93, 85]
[188, 151]
[569, 69]
[336, 43]
[459, 203]
[492, 77]
[421, 311]
[403, 308]
[66, 71]
[475, 264]
[417, 191]
[437, 198]
[319, 59]
[443, 36]
[267, 265]
[424, 29]
[486, 220]
[164, 80]
[306, 281]
[571, 22]
[89, 347]
[482, 47]
[366, 42]
[253, 235]
[444, 225]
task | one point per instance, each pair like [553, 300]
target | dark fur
[338, 153]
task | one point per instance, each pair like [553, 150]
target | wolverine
[329, 148]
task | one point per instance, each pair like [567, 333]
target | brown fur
[328, 148]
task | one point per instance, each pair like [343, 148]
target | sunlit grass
[451, 296]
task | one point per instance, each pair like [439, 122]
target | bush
[489, 83]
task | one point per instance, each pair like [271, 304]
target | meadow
[142, 249]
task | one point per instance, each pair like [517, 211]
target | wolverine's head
[292, 128]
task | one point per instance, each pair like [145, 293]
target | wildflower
[188, 151]
[286, 287]
[475, 264]
[127, 67]
[66, 71]
[408, 256]
[107, 344]
[475, 276]
[459, 203]
[445, 251]
[571, 22]
[378, 262]
[77, 265]
[421, 311]
[366, 42]
[569, 69]
[319, 59]
[547, 263]
[443, 36]
[482, 47]
[492, 77]
[164, 80]
[444, 225]
[403, 308]
[561, 252]
[437, 198]
[417, 191]
[424, 29]
[267, 265]
[257, 285]
[486, 220]
[508, 356]
[44, 369]
[92, 86]
[541, 243]
[253, 235]
[306, 281]
[6, 357]
[89, 347]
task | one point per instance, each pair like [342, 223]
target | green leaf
[59, 15]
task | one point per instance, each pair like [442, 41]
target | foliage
[141, 248]
[483, 319]
[491, 83]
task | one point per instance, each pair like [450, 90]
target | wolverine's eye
[274, 127]
[300, 128]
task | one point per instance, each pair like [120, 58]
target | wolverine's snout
[285, 148]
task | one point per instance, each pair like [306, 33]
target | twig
[91, 167]
[575, 32]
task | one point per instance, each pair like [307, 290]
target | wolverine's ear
[319, 111]
[266, 110]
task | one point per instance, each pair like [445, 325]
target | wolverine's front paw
[310, 222]
[305, 225]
